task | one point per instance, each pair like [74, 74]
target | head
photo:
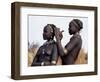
[48, 32]
[75, 26]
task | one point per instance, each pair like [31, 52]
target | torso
[45, 53]
[74, 51]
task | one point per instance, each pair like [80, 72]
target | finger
[59, 29]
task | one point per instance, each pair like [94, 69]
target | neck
[77, 33]
[49, 40]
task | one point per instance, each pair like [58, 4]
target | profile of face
[72, 28]
[47, 32]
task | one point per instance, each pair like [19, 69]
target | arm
[54, 55]
[70, 46]
[45, 63]
[35, 63]
[72, 43]
[59, 45]
[35, 60]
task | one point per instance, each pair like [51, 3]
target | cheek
[46, 35]
[70, 30]
[73, 29]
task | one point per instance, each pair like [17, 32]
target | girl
[72, 48]
[47, 54]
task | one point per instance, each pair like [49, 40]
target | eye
[45, 31]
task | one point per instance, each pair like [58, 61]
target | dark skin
[72, 29]
[58, 40]
[58, 34]
[48, 35]
[71, 50]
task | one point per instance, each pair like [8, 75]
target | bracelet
[53, 62]
[42, 63]
[65, 51]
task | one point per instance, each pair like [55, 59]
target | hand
[58, 34]
[61, 35]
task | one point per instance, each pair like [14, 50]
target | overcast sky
[37, 23]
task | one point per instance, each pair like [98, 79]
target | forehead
[71, 23]
[48, 27]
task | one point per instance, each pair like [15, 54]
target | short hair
[78, 23]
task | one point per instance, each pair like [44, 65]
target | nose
[69, 28]
[43, 33]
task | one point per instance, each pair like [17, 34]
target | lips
[70, 32]
[44, 37]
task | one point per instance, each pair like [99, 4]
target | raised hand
[58, 34]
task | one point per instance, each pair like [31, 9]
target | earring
[51, 36]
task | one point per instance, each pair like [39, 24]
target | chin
[70, 33]
[44, 38]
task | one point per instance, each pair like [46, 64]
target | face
[72, 29]
[47, 33]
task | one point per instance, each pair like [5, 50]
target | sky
[36, 24]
